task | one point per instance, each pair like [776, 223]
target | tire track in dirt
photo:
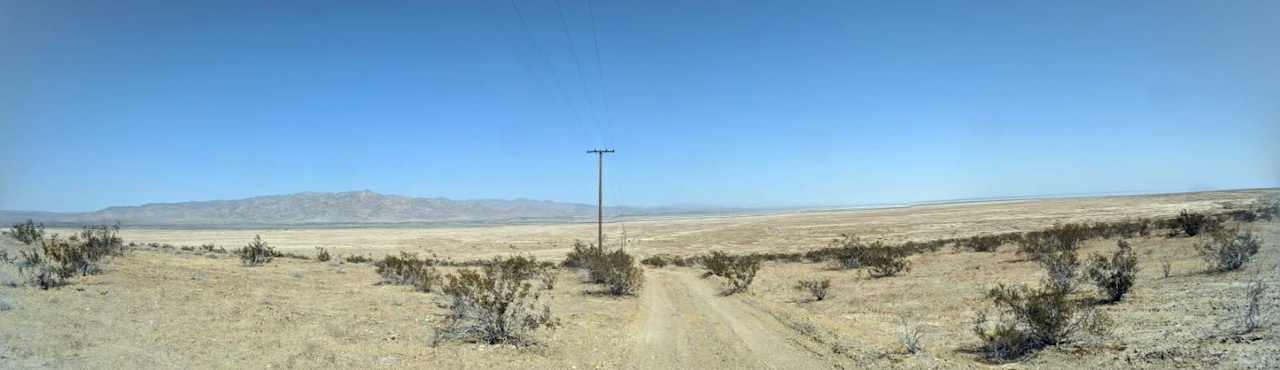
[687, 324]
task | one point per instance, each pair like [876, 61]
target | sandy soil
[187, 310]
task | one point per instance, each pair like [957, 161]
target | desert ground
[184, 309]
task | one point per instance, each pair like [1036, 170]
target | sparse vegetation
[355, 258]
[1116, 275]
[879, 258]
[910, 336]
[256, 253]
[818, 288]
[657, 261]
[57, 260]
[1229, 249]
[518, 267]
[1191, 223]
[492, 307]
[28, 232]
[582, 255]
[548, 277]
[322, 255]
[1254, 313]
[738, 271]
[1030, 318]
[618, 272]
[408, 269]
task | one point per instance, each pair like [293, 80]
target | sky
[731, 103]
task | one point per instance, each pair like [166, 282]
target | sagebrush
[738, 271]
[1115, 275]
[818, 288]
[492, 307]
[1229, 249]
[257, 252]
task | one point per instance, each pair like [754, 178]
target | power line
[595, 42]
[586, 93]
[546, 60]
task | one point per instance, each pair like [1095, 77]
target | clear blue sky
[785, 103]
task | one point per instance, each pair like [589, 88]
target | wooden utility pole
[600, 194]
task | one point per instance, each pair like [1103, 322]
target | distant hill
[344, 208]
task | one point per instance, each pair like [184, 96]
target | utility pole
[600, 194]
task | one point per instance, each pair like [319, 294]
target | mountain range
[341, 208]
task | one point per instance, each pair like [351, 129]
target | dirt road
[687, 324]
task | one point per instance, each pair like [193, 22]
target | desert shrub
[548, 277]
[323, 255]
[57, 260]
[1060, 270]
[210, 248]
[738, 271]
[1254, 314]
[909, 336]
[717, 263]
[407, 269]
[582, 255]
[28, 232]
[1268, 209]
[1229, 249]
[1116, 275]
[492, 308]
[818, 288]
[1031, 318]
[5, 304]
[985, 243]
[1166, 268]
[518, 267]
[257, 252]
[658, 261]
[1054, 240]
[358, 259]
[618, 272]
[880, 259]
[883, 260]
[1190, 223]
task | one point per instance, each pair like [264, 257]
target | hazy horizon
[752, 105]
[690, 205]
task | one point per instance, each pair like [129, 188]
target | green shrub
[1060, 270]
[56, 260]
[816, 287]
[1055, 240]
[492, 308]
[1031, 318]
[1191, 223]
[618, 272]
[257, 252]
[358, 259]
[738, 271]
[657, 261]
[1114, 276]
[1229, 249]
[407, 269]
[518, 267]
[28, 232]
[582, 255]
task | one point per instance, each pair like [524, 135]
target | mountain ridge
[348, 207]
